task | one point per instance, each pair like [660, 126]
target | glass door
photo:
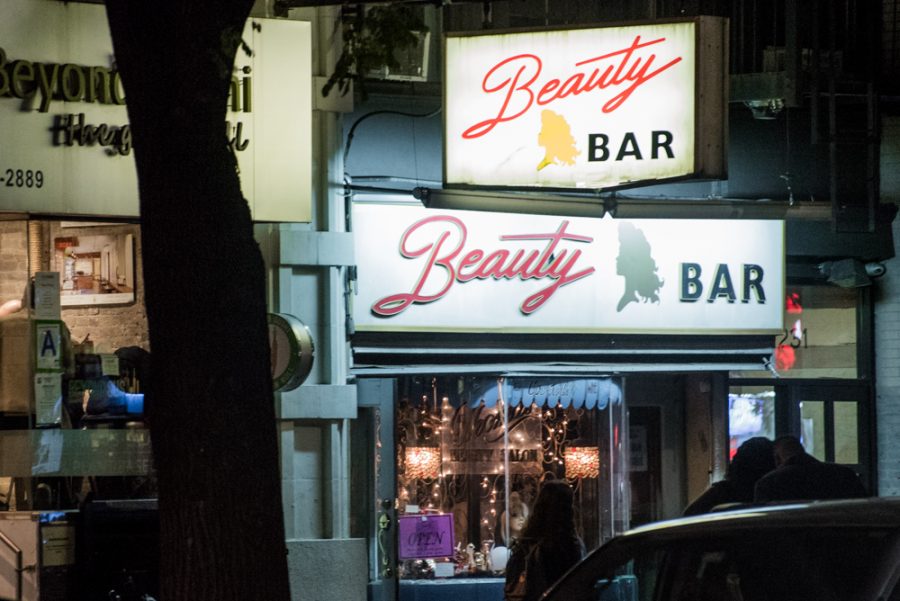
[833, 422]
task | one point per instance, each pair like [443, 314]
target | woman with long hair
[548, 546]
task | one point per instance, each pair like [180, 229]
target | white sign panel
[429, 270]
[583, 108]
[67, 146]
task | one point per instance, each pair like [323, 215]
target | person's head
[755, 457]
[553, 514]
[787, 447]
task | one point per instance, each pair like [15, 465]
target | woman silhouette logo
[636, 265]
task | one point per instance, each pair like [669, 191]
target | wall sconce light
[582, 462]
[423, 463]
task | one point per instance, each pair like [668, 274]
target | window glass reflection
[818, 339]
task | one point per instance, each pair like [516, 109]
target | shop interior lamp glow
[423, 462]
[582, 462]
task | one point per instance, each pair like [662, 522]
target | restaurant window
[819, 337]
[472, 452]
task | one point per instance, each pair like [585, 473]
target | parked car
[815, 551]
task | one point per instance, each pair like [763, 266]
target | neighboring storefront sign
[66, 139]
[586, 108]
[429, 270]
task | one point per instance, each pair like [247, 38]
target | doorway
[833, 423]
[833, 419]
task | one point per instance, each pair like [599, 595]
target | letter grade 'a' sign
[586, 108]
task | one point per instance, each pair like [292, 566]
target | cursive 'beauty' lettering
[515, 80]
[447, 261]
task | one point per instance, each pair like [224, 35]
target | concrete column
[887, 375]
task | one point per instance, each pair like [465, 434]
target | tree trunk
[209, 404]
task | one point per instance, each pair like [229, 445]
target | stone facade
[887, 328]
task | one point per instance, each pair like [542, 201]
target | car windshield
[808, 565]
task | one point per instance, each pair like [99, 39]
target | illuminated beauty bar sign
[586, 108]
[427, 270]
[66, 146]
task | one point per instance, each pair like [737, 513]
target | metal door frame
[377, 395]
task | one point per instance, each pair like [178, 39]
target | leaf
[372, 39]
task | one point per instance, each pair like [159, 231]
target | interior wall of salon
[693, 445]
[665, 391]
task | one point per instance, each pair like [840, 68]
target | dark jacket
[753, 459]
[719, 493]
[804, 477]
[553, 558]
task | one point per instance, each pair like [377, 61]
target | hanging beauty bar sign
[429, 270]
[586, 108]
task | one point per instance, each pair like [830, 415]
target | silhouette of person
[800, 476]
[637, 266]
[548, 547]
[753, 459]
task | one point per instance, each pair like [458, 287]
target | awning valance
[579, 393]
[541, 391]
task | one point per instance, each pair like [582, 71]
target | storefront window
[71, 416]
[472, 453]
[819, 335]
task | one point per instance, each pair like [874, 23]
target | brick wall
[13, 260]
